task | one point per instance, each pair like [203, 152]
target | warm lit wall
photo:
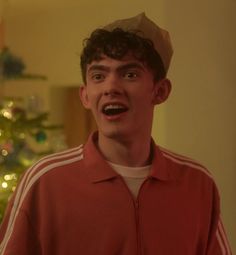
[199, 118]
[1, 34]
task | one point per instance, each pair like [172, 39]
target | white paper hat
[148, 29]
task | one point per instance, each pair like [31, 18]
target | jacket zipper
[136, 206]
[136, 209]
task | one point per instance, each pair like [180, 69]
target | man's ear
[161, 91]
[84, 96]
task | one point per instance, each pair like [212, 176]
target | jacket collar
[159, 169]
[96, 166]
[99, 170]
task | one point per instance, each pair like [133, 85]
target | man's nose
[113, 86]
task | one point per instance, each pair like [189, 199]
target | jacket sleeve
[18, 237]
[217, 243]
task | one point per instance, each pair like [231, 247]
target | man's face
[121, 95]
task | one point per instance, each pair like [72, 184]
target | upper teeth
[113, 106]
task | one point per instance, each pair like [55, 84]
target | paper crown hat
[148, 29]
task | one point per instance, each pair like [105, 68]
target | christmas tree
[25, 132]
[24, 138]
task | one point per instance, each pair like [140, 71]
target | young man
[120, 193]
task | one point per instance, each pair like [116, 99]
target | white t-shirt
[133, 176]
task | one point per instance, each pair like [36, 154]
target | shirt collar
[96, 166]
[99, 170]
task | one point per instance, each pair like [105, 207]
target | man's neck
[133, 153]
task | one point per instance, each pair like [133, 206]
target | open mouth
[114, 109]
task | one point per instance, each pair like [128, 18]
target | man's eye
[130, 75]
[97, 77]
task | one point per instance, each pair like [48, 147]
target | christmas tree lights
[24, 138]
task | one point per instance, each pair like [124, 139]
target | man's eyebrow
[97, 67]
[100, 67]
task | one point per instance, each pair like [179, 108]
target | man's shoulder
[53, 163]
[184, 166]
[59, 159]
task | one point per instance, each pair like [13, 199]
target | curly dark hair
[116, 44]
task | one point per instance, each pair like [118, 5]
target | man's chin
[115, 134]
